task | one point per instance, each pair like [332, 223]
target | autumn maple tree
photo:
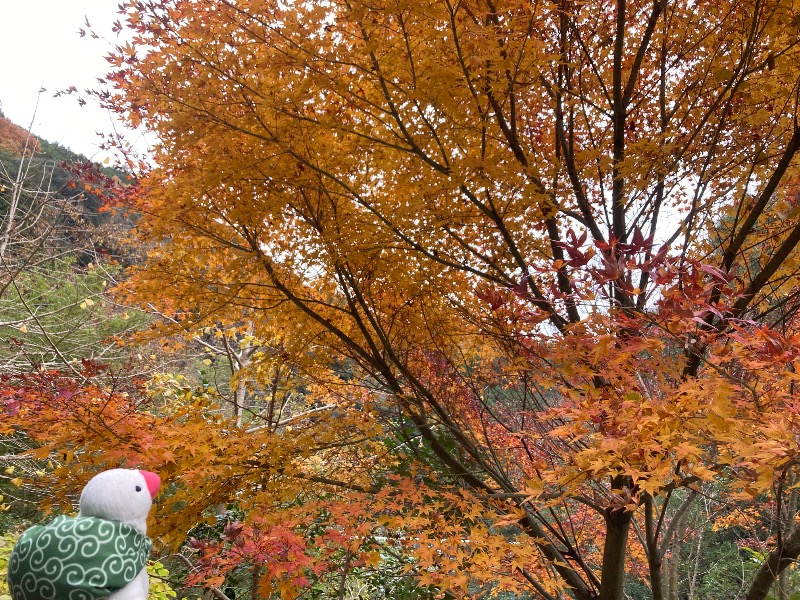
[523, 275]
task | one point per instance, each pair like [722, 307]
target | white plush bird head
[123, 495]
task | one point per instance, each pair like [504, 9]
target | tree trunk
[775, 563]
[673, 569]
[655, 559]
[612, 580]
[696, 569]
[674, 561]
[256, 579]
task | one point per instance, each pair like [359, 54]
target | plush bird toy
[101, 553]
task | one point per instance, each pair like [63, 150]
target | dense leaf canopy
[526, 271]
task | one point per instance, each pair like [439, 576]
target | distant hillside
[16, 141]
[13, 138]
[67, 177]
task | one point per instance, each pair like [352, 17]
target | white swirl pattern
[76, 558]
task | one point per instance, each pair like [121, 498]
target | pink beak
[153, 482]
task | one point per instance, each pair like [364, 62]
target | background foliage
[501, 298]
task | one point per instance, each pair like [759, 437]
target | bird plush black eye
[138, 488]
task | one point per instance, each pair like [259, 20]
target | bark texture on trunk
[612, 580]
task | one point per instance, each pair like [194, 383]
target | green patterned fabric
[76, 558]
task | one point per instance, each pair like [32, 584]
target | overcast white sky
[40, 48]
